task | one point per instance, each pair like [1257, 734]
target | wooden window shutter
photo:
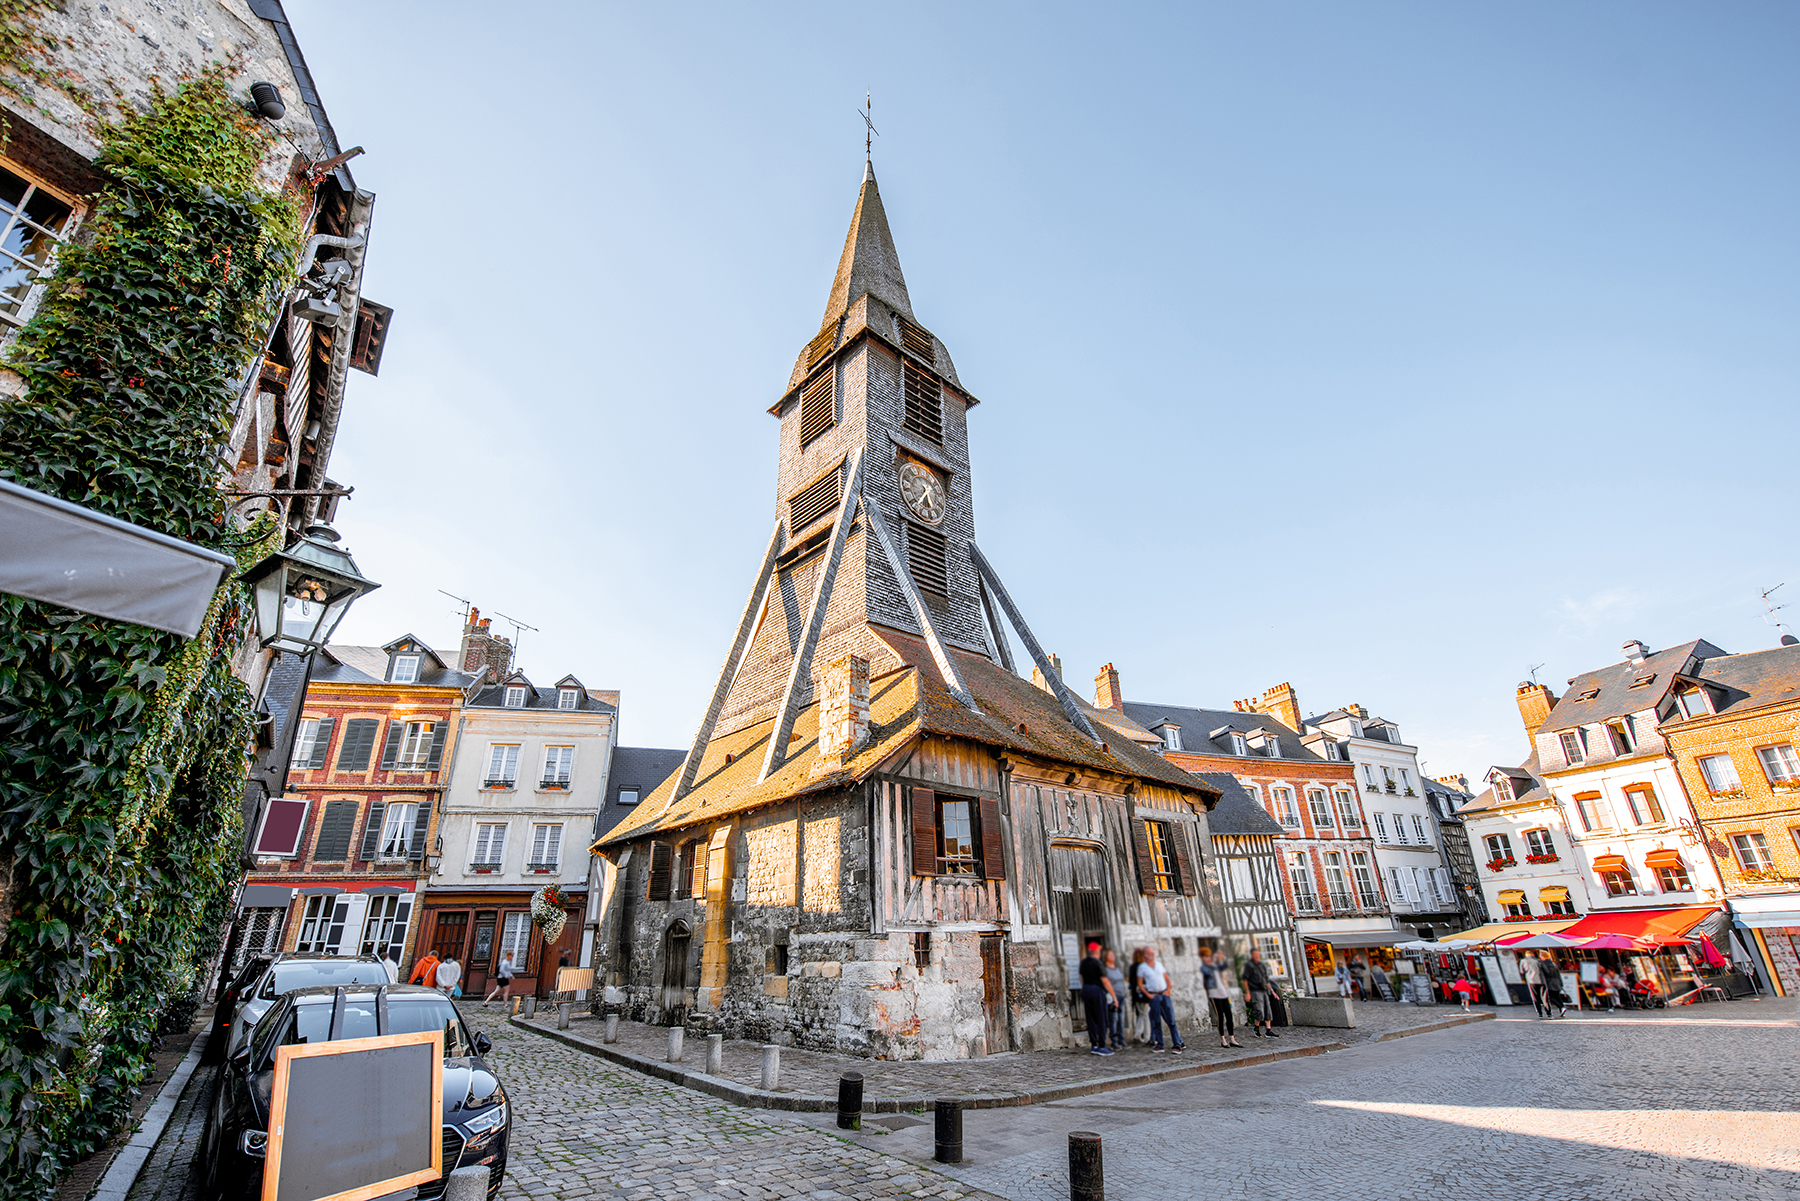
[358, 744]
[437, 746]
[818, 406]
[928, 558]
[658, 888]
[372, 830]
[993, 847]
[390, 751]
[814, 501]
[924, 403]
[336, 828]
[322, 742]
[1184, 861]
[1140, 842]
[421, 826]
[917, 341]
[924, 832]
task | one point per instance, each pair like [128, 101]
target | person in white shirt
[449, 976]
[1153, 984]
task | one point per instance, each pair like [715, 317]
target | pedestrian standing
[1140, 1005]
[1531, 971]
[1259, 993]
[503, 978]
[1158, 994]
[1218, 991]
[1115, 978]
[1343, 978]
[1095, 988]
[449, 977]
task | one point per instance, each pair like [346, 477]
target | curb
[123, 1172]
[1448, 1024]
[756, 1098]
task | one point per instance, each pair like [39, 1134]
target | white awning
[1766, 911]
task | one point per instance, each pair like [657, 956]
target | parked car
[291, 970]
[230, 998]
[477, 1118]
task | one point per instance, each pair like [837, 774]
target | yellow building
[1735, 737]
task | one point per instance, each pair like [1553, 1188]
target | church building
[883, 840]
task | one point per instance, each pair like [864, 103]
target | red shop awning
[1656, 925]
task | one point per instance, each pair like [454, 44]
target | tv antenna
[870, 133]
[517, 625]
[1770, 609]
[1534, 672]
[467, 604]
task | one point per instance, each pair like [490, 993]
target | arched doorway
[676, 944]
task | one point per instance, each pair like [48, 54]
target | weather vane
[870, 131]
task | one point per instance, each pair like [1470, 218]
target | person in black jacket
[1095, 989]
[1259, 986]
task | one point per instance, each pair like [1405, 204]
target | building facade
[883, 840]
[1528, 869]
[1329, 872]
[1737, 754]
[1408, 841]
[343, 857]
[530, 768]
[1254, 909]
[1447, 795]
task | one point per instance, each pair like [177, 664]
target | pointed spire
[869, 263]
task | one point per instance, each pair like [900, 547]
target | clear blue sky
[1388, 349]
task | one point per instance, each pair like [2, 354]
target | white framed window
[1306, 897]
[1779, 763]
[1272, 744]
[1320, 805]
[515, 936]
[1720, 773]
[1332, 752]
[406, 669]
[1499, 847]
[490, 846]
[1286, 812]
[546, 848]
[384, 930]
[1537, 842]
[1396, 886]
[315, 921]
[1346, 807]
[1336, 883]
[415, 747]
[503, 765]
[1171, 736]
[515, 696]
[1364, 874]
[628, 796]
[559, 762]
[1381, 833]
[566, 698]
[306, 741]
[1238, 745]
[1446, 891]
[1418, 825]
[397, 831]
[1356, 729]
[1694, 703]
[1571, 746]
[1368, 775]
[1752, 852]
[1387, 777]
[1588, 807]
[1400, 829]
[1503, 789]
[1424, 887]
[33, 222]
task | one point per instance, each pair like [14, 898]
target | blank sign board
[356, 1118]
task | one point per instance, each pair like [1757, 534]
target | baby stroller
[1645, 995]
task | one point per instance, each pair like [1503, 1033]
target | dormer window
[567, 698]
[1572, 749]
[515, 696]
[1355, 728]
[1238, 746]
[1393, 733]
[1332, 752]
[1502, 789]
[1171, 737]
[405, 669]
[1694, 703]
[1272, 745]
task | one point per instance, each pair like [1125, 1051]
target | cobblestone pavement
[814, 1073]
[170, 1174]
[1634, 1105]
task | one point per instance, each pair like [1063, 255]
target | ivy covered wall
[122, 749]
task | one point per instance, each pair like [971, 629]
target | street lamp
[304, 591]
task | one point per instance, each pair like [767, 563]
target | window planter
[484, 869]
[1391, 790]
[498, 785]
[1551, 858]
[554, 786]
[1409, 792]
[1523, 917]
[540, 869]
[1497, 865]
[1727, 793]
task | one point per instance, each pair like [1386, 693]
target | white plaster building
[1524, 857]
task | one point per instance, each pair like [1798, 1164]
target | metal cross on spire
[870, 132]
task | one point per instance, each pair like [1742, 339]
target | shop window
[384, 930]
[1720, 773]
[1752, 852]
[1618, 883]
[1780, 763]
[1646, 810]
[1673, 877]
[315, 919]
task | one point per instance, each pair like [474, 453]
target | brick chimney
[1283, 703]
[1535, 703]
[1107, 693]
[479, 647]
[1037, 676]
[843, 707]
[1636, 651]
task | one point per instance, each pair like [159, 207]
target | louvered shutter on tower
[924, 412]
[993, 852]
[372, 831]
[421, 826]
[1184, 862]
[818, 406]
[358, 744]
[928, 558]
[658, 886]
[924, 832]
[437, 746]
[321, 742]
[814, 501]
[1146, 869]
[390, 751]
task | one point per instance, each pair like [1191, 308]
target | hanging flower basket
[547, 912]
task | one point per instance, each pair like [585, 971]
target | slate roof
[641, 767]
[1753, 679]
[1616, 696]
[493, 696]
[369, 664]
[1237, 811]
[1197, 724]
[1527, 787]
[1016, 715]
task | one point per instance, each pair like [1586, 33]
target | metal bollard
[1086, 1181]
[612, 1029]
[771, 1073]
[949, 1133]
[467, 1184]
[530, 1004]
[676, 1034]
[850, 1089]
[715, 1055]
[563, 1013]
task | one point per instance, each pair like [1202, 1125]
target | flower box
[1729, 792]
[1522, 917]
[1496, 865]
[1550, 858]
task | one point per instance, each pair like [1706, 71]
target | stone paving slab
[809, 1079]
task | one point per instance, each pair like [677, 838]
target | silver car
[292, 970]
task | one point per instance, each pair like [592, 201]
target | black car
[229, 1000]
[477, 1119]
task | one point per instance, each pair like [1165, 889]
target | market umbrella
[1552, 941]
[1618, 942]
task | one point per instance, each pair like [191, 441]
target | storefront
[1766, 930]
[479, 928]
[1637, 957]
[1369, 956]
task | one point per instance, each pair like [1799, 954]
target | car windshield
[305, 973]
[311, 1023]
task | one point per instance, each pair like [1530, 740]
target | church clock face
[924, 492]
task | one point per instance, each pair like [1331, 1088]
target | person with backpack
[425, 970]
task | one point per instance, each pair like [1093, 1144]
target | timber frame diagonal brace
[939, 652]
[1066, 698]
[801, 671]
